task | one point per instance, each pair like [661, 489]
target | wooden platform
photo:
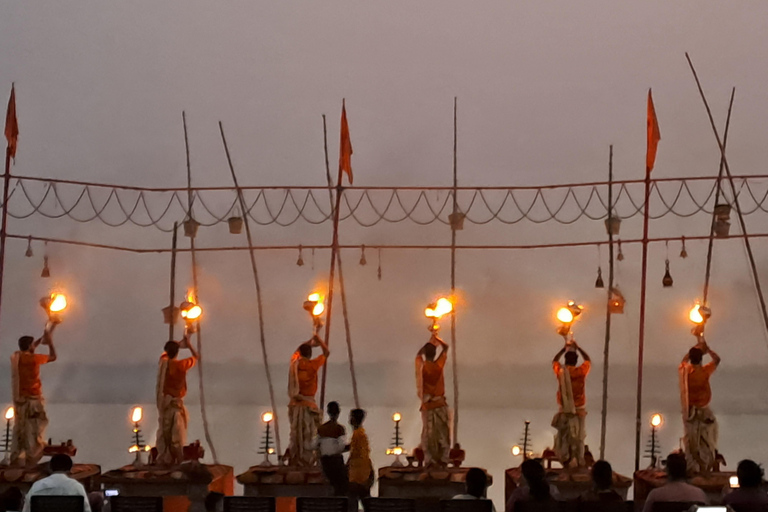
[284, 481]
[713, 484]
[183, 487]
[570, 483]
[426, 486]
[86, 474]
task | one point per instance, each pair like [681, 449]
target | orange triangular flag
[654, 135]
[345, 151]
[11, 124]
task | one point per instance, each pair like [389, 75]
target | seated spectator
[11, 500]
[602, 484]
[536, 488]
[96, 501]
[214, 502]
[477, 483]
[676, 489]
[750, 492]
[58, 484]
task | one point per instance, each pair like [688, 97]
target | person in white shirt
[331, 443]
[477, 483]
[58, 484]
[676, 489]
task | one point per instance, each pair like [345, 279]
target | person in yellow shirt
[173, 417]
[361, 475]
[304, 415]
[28, 437]
[435, 415]
[572, 401]
[701, 431]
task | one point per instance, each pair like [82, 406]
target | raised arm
[188, 344]
[47, 339]
[582, 352]
[557, 357]
[435, 339]
[320, 343]
[712, 353]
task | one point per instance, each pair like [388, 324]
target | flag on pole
[11, 124]
[345, 151]
[654, 136]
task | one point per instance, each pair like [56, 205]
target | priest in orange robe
[304, 415]
[435, 414]
[572, 404]
[173, 417]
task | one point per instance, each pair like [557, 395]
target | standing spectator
[58, 484]
[602, 484]
[750, 492]
[676, 489]
[332, 443]
[361, 474]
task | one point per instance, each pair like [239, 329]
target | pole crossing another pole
[454, 362]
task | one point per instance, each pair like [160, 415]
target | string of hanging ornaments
[284, 206]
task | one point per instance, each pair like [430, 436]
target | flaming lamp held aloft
[138, 445]
[266, 448]
[54, 305]
[9, 413]
[191, 313]
[699, 315]
[566, 316]
[315, 307]
[437, 310]
[396, 448]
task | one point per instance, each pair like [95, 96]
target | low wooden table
[285, 483]
[425, 485]
[183, 487]
[86, 474]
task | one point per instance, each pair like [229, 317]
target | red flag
[11, 124]
[654, 136]
[345, 151]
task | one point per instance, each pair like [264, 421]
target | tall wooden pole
[173, 281]
[4, 227]
[608, 314]
[342, 288]
[201, 385]
[454, 363]
[259, 307]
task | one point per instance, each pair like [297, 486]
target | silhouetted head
[214, 502]
[677, 467]
[430, 350]
[12, 499]
[750, 474]
[171, 349]
[536, 478]
[602, 475]
[333, 410]
[96, 501]
[60, 463]
[571, 358]
[356, 417]
[695, 355]
[25, 343]
[476, 481]
[305, 350]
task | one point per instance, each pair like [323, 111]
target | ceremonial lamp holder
[7, 439]
[397, 448]
[317, 321]
[266, 448]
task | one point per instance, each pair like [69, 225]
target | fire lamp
[396, 448]
[437, 310]
[616, 302]
[54, 305]
[525, 441]
[266, 448]
[191, 313]
[699, 315]
[9, 414]
[138, 445]
[315, 307]
[566, 316]
[653, 451]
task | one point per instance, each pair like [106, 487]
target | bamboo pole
[259, 307]
[4, 227]
[608, 314]
[742, 224]
[454, 363]
[342, 288]
[200, 362]
[173, 281]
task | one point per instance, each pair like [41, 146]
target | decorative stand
[23, 478]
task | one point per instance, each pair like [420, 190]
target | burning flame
[314, 297]
[695, 315]
[58, 303]
[189, 309]
[136, 414]
[564, 315]
[656, 420]
[442, 307]
[319, 307]
[267, 417]
[147, 448]
[396, 417]
[516, 450]
[9, 413]
[133, 449]
[397, 450]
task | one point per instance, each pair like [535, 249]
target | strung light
[267, 417]
[516, 450]
[363, 261]
[300, 261]
[137, 414]
[397, 417]
[9, 413]
[656, 420]
[599, 282]
[29, 252]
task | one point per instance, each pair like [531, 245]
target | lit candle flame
[267, 417]
[656, 420]
[133, 449]
[58, 303]
[442, 307]
[397, 450]
[396, 417]
[9, 413]
[564, 315]
[314, 297]
[136, 414]
[695, 314]
[318, 309]
[516, 450]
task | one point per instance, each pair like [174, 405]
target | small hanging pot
[722, 228]
[723, 211]
[190, 228]
[599, 281]
[667, 281]
[235, 225]
[613, 225]
[457, 220]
